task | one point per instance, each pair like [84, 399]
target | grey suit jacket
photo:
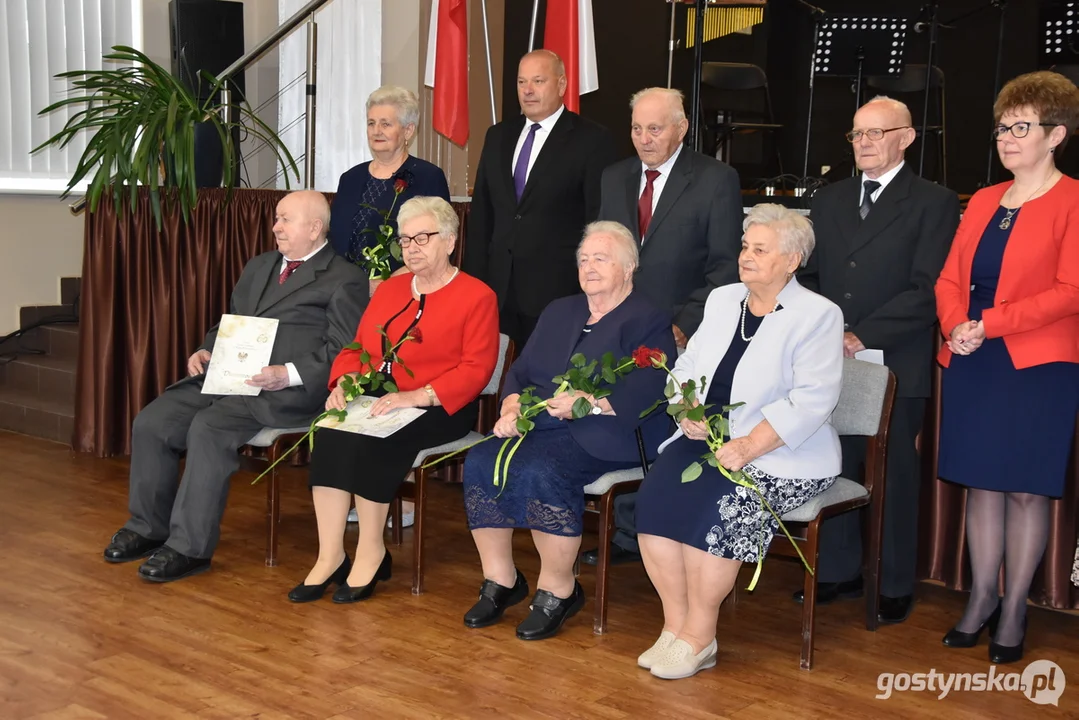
[695, 235]
[790, 375]
[318, 310]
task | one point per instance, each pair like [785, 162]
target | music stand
[856, 46]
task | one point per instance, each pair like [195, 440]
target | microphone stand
[817, 14]
[1001, 5]
[931, 9]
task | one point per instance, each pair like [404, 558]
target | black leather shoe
[346, 594]
[1005, 654]
[830, 592]
[893, 611]
[309, 593]
[127, 545]
[958, 639]
[618, 555]
[167, 565]
[549, 612]
[494, 599]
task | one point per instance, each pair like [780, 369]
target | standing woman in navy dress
[368, 188]
[1008, 303]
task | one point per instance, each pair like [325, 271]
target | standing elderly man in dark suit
[318, 299]
[685, 211]
[537, 187]
[882, 238]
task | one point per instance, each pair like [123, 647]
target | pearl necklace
[418, 293]
[742, 329]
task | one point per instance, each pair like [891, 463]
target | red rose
[644, 357]
[415, 336]
[400, 185]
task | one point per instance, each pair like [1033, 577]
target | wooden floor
[80, 638]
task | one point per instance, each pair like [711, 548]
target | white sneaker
[649, 656]
[678, 661]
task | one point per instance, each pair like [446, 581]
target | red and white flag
[569, 31]
[447, 68]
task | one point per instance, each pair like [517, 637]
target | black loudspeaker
[208, 35]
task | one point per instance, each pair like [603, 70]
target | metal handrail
[273, 39]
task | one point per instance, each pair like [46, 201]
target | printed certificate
[359, 419]
[242, 349]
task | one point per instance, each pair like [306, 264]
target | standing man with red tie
[537, 186]
[685, 211]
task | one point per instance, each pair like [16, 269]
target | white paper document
[870, 355]
[243, 347]
[359, 419]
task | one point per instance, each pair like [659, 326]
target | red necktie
[644, 205]
[290, 267]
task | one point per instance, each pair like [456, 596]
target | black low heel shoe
[1005, 654]
[958, 639]
[309, 593]
[494, 599]
[346, 594]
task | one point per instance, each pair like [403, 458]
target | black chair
[911, 82]
[740, 78]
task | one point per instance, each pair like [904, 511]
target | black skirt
[374, 468]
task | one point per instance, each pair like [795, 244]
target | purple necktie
[520, 172]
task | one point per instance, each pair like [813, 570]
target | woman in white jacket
[771, 344]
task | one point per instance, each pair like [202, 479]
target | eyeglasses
[421, 239]
[1019, 130]
[873, 134]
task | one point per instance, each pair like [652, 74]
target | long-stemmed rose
[688, 406]
[376, 258]
[371, 380]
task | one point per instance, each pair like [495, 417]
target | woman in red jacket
[1008, 303]
[446, 323]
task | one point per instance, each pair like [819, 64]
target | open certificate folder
[359, 420]
[243, 347]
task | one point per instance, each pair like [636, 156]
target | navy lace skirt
[545, 490]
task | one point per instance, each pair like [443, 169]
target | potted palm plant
[143, 122]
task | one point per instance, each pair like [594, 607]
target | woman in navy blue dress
[544, 492]
[368, 188]
[771, 344]
[1008, 302]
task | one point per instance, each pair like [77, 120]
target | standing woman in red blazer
[1008, 303]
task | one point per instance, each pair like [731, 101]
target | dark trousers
[210, 429]
[841, 536]
[517, 325]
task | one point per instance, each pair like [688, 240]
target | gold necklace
[1006, 221]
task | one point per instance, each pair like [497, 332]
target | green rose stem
[717, 425]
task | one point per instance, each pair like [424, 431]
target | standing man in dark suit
[537, 186]
[685, 211]
[318, 299]
[882, 238]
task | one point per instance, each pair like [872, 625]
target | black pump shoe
[959, 639]
[494, 599]
[1004, 654]
[309, 593]
[347, 594]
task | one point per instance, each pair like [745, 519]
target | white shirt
[883, 180]
[660, 182]
[544, 131]
[294, 378]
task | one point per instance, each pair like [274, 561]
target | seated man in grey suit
[318, 298]
[685, 210]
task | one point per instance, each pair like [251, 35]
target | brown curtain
[942, 536]
[149, 297]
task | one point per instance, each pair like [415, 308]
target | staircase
[37, 369]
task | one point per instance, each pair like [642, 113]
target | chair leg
[396, 519]
[420, 500]
[603, 561]
[809, 596]
[871, 570]
[273, 509]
